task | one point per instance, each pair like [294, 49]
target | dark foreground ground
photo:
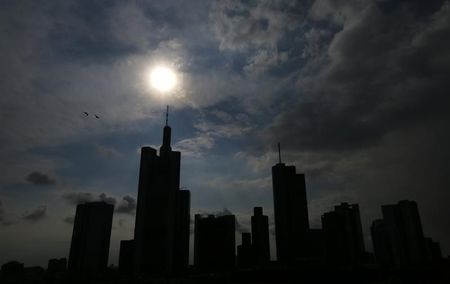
[435, 273]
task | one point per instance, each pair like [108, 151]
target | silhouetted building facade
[214, 242]
[162, 216]
[90, 238]
[343, 237]
[245, 251]
[126, 257]
[432, 250]
[12, 268]
[316, 246]
[291, 213]
[260, 236]
[57, 265]
[398, 238]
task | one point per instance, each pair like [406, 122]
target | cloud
[107, 152]
[36, 214]
[240, 25]
[195, 146]
[366, 91]
[127, 205]
[108, 199]
[5, 217]
[40, 179]
[69, 220]
[75, 198]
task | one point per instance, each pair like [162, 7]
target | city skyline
[356, 92]
[160, 247]
[164, 229]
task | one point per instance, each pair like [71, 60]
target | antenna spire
[167, 115]
[279, 152]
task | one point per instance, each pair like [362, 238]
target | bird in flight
[87, 114]
[96, 116]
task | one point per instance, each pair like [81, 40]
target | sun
[163, 79]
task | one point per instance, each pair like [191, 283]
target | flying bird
[96, 116]
[87, 114]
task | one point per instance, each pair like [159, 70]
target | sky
[356, 92]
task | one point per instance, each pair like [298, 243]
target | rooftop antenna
[167, 115]
[279, 152]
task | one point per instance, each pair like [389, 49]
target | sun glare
[162, 79]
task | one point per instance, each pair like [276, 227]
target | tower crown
[167, 132]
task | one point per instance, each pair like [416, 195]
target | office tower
[162, 213]
[57, 265]
[214, 242]
[182, 229]
[260, 236]
[343, 238]
[385, 244]
[316, 245]
[126, 257]
[245, 251]
[398, 238]
[433, 250]
[90, 238]
[291, 213]
[12, 268]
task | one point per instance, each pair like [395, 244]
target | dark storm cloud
[381, 77]
[36, 214]
[127, 205]
[40, 179]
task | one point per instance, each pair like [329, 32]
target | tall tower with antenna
[291, 211]
[162, 215]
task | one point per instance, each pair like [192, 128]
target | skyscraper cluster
[162, 229]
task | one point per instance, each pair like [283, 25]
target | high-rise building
[90, 238]
[126, 257]
[291, 213]
[260, 236]
[162, 215]
[433, 250]
[398, 238]
[57, 265]
[214, 242]
[343, 237]
[245, 251]
[182, 229]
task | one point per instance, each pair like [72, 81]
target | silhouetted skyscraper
[343, 237]
[260, 236]
[433, 250]
[291, 212]
[182, 230]
[245, 251]
[398, 238]
[162, 214]
[57, 265]
[91, 236]
[214, 242]
[126, 257]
